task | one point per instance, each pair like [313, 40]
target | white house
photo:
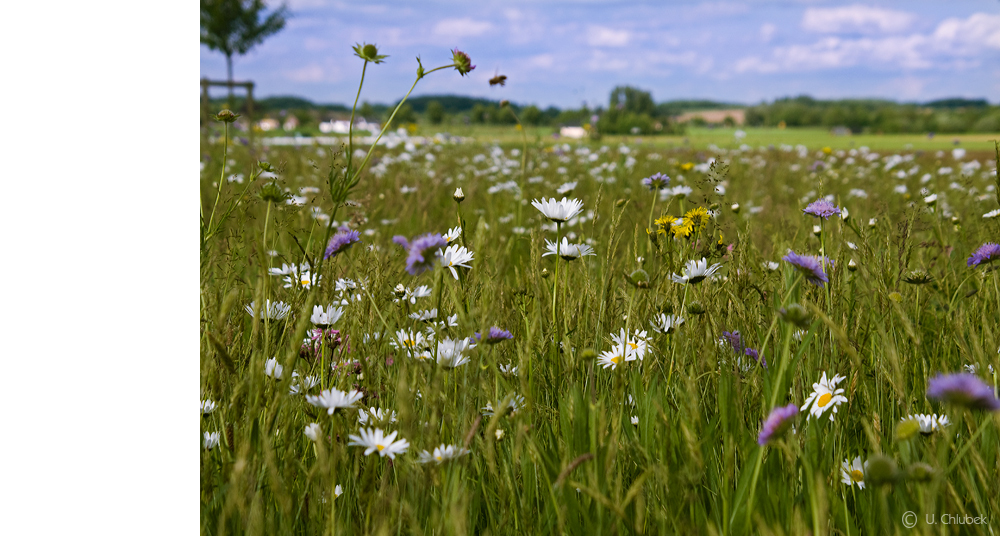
[342, 127]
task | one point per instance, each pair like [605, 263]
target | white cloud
[599, 36]
[310, 73]
[978, 31]
[464, 27]
[541, 61]
[855, 18]
[767, 31]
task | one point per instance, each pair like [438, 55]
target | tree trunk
[229, 73]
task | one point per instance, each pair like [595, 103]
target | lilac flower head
[986, 254]
[734, 339]
[777, 423]
[964, 390]
[657, 181]
[462, 62]
[496, 335]
[812, 267]
[420, 253]
[756, 356]
[821, 208]
[341, 240]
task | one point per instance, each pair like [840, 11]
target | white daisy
[455, 255]
[566, 250]
[992, 214]
[290, 269]
[665, 323]
[326, 317]
[272, 368]
[304, 280]
[508, 370]
[695, 271]
[271, 310]
[824, 396]
[451, 352]
[442, 454]
[558, 211]
[853, 473]
[312, 431]
[411, 341]
[207, 406]
[617, 355]
[515, 404]
[453, 234]
[374, 439]
[375, 415]
[425, 315]
[928, 423]
[331, 399]
[635, 346]
[635, 420]
[211, 440]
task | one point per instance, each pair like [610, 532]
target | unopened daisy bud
[956, 220]
[459, 195]
[499, 434]
[871, 222]
[931, 200]
[920, 472]
[635, 420]
[796, 314]
[881, 470]
[851, 265]
[817, 230]
[844, 215]
[695, 308]
[735, 207]
[226, 116]
[545, 273]
[907, 429]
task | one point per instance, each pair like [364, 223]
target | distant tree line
[631, 110]
[947, 115]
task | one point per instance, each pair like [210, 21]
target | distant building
[342, 127]
[573, 132]
[840, 131]
[714, 117]
[291, 123]
[268, 124]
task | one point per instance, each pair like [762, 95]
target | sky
[564, 53]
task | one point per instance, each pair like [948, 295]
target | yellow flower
[682, 227]
[698, 218]
[664, 221]
[687, 166]
[827, 150]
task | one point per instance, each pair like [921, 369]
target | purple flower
[821, 208]
[420, 253]
[812, 267]
[657, 181]
[963, 389]
[986, 254]
[341, 240]
[756, 356]
[462, 62]
[734, 339]
[777, 423]
[497, 335]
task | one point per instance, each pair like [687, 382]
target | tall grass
[570, 460]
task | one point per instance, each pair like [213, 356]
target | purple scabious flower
[756, 356]
[420, 253]
[496, 335]
[657, 181]
[821, 208]
[734, 339]
[964, 390]
[777, 423]
[812, 267]
[341, 240]
[462, 62]
[986, 254]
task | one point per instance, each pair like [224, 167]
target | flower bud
[638, 278]
[399, 291]
[588, 354]
[844, 214]
[265, 166]
[459, 195]
[920, 472]
[796, 314]
[368, 52]
[735, 207]
[918, 277]
[881, 470]
[817, 230]
[871, 222]
[907, 429]
[463, 64]
[695, 308]
[273, 193]
[504, 103]
[545, 273]
[227, 116]
[852, 266]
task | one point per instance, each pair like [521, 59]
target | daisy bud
[920, 472]
[640, 260]
[871, 223]
[459, 195]
[881, 470]
[735, 207]
[499, 434]
[545, 273]
[907, 429]
[931, 200]
[844, 215]
[796, 314]
[695, 308]
[852, 266]
[955, 220]
[817, 230]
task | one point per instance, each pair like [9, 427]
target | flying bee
[498, 78]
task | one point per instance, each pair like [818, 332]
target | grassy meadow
[592, 418]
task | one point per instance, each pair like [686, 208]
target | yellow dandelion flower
[687, 166]
[682, 227]
[698, 218]
[664, 221]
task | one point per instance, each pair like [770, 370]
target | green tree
[235, 26]
[531, 115]
[435, 112]
[632, 100]
[366, 111]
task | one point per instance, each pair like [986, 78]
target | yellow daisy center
[857, 476]
[634, 345]
[380, 447]
[824, 400]
[438, 458]
[616, 359]
[410, 342]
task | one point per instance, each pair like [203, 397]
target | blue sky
[563, 53]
